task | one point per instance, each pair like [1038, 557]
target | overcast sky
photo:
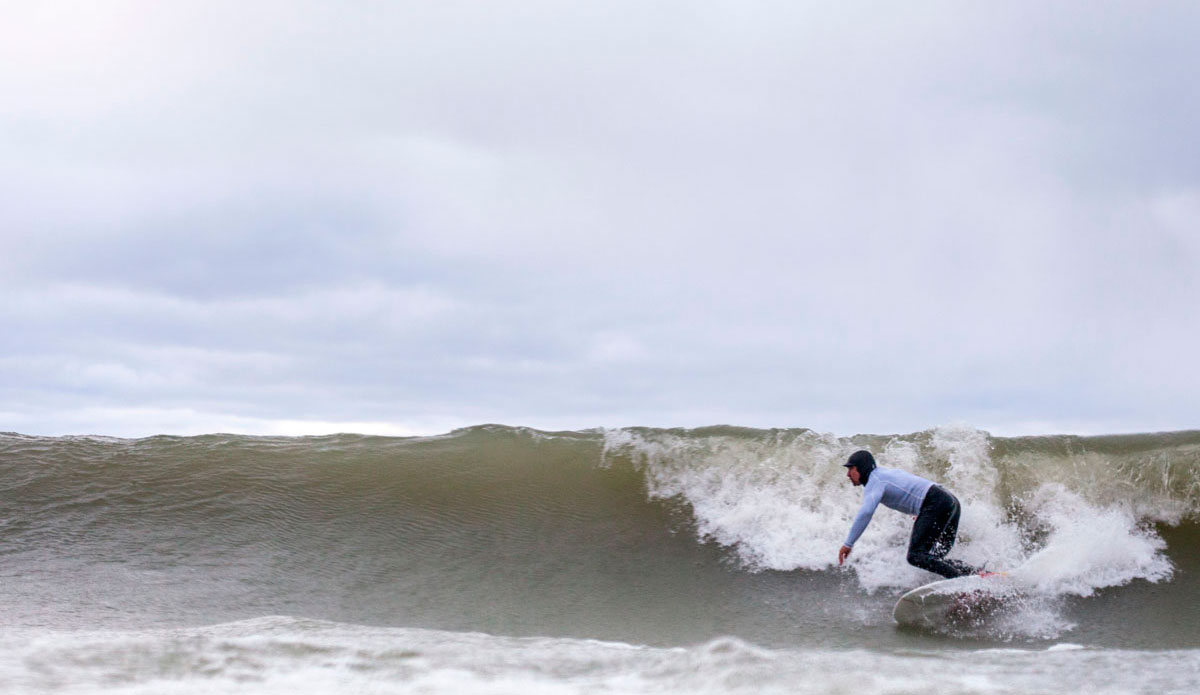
[404, 217]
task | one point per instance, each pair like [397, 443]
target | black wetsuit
[933, 535]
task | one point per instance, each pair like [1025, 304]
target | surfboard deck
[947, 602]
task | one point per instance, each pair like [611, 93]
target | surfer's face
[852, 474]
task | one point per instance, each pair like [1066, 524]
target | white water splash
[775, 502]
[1088, 547]
[782, 502]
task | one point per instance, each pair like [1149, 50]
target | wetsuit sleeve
[865, 512]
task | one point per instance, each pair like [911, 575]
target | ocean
[499, 559]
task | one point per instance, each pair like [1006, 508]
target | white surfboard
[955, 601]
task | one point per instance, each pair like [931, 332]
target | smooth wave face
[638, 535]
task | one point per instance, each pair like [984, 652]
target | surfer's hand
[843, 554]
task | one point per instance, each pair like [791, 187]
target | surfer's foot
[983, 571]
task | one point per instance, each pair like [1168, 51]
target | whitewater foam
[286, 655]
[1088, 547]
[767, 499]
[781, 502]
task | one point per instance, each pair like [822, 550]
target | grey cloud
[868, 217]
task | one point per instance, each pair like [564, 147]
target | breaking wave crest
[1070, 515]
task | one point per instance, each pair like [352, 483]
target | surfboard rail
[947, 602]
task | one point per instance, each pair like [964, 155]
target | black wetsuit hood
[864, 462]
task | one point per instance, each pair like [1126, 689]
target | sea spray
[767, 498]
[1087, 547]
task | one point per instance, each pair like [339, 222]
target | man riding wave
[936, 511]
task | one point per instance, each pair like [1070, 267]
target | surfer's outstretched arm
[871, 499]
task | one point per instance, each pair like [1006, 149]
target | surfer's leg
[933, 535]
[925, 532]
[946, 539]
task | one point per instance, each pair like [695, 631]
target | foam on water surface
[299, 657]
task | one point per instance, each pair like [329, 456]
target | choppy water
[497, 559]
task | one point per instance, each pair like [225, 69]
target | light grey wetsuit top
[897, 489]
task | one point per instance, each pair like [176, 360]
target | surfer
[935, 509]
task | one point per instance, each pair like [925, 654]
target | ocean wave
[624, 531]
